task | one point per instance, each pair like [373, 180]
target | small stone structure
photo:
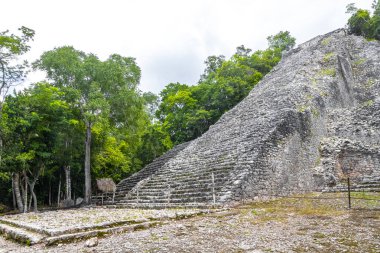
[313, 121]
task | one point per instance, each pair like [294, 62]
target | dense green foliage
[90, 117]
[362, 23]
[188, 111]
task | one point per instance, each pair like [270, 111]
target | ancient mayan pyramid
[307, 125]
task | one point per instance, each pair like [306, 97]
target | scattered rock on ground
[92, 242]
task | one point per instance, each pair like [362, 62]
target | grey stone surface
[79, 201]
[307, 125]
[91, 242]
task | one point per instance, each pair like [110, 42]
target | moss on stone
[327, 72]
[369, 84]
[325, 42]
[367, 103]
[327, 57]
[360, 61]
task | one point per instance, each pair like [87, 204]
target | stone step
[98, 232]
[28, 237]
[152, 168]
[190, 181]
[168, 205]
[206, 177]
[194, 171]
[21, 235]
[180, 188]
[172, 195]
[154, 199]
[353, 189]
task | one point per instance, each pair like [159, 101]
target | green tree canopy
[105, 92]
[362, 23]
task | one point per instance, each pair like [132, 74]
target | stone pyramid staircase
[325, 92]
[124, 186]
[189, 188]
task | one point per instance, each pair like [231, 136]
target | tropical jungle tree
[105, 92]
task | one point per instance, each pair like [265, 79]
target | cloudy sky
[169, 38]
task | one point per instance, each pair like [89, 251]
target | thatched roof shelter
[106, 185]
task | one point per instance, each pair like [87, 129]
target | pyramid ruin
[307, 126]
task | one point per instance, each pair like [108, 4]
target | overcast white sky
[169, 38]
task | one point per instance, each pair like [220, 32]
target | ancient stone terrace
[55, 227]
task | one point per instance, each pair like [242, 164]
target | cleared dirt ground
[308, 223]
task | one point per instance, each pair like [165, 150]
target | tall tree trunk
[22, 189]
[25, 191]
[32, 184]
[13, 195]
[59, 191]
[68, 181]
[87, 169]
[49, 191]
[16, 183]
[30, 199]
[1, 143]
[33, 194]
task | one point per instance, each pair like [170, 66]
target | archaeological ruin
[307, 126]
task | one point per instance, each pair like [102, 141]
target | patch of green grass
[315, 112]
[301, 249]
[327, 57]
[367, 103]
[370, 39]
[325, 42]
[309, 97]
[313, 82]
[366, 195]
[319, 235]
[369, 83]
[100, 220]
[348, 242]
[327, 72]
[33, 217]
[154, 237]
[317, 161]
[360, 61]
[84, 219]
[305, 205]
[302, 108]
